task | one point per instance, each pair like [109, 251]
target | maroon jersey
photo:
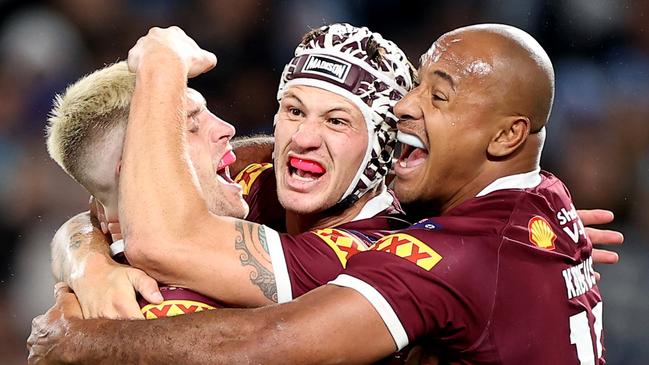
[260, 192]
[176, 300]
[306, 261]
[504, 278]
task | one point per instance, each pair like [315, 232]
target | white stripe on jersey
[379, 303]
[282, 280]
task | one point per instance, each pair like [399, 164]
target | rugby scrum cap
[370, 71]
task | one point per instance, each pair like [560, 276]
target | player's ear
[118, 168]
[510, 137]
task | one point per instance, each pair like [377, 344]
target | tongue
[417, 156]
[227, 160]
[306, 165]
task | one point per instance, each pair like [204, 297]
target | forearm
[253, 149]
[196, 338]
[292, 333]
[78, 241]
[158, 191]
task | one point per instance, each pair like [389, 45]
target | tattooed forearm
[260, 275]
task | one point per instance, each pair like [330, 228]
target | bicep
[227, 259]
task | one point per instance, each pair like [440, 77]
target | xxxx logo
[248, 176]
[409, 248]
[344, 244]
[170, 308]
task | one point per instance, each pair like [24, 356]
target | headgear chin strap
[336, 59]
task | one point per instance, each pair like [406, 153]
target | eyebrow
[202, 104]
[446, 77]
[289, 94]
[340, 109]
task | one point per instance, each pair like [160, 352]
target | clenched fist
[170, 43]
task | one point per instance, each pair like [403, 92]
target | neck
[298, 223]
[526, 159]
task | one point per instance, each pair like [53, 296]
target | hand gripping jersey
[176, 301]
[308, 260]
[504, 278]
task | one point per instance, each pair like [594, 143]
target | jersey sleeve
[260, 192]
[420, 285]
[306, 261]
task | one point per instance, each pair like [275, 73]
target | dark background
[598, 135]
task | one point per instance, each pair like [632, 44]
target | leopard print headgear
[337, 60]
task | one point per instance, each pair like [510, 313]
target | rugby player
[85, 137]
[342, 127]
[500, 274]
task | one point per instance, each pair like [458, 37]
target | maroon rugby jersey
[260, 192]
[504, 278]
[308, 260]
[176, 300]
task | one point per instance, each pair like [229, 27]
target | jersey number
[580, 335]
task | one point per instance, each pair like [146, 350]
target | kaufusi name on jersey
[579, 278]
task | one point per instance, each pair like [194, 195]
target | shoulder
[458, 241]
[254, 172]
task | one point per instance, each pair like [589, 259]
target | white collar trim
[375, 205]
[520, 181]
[117, 247]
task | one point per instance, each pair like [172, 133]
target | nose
[307, 134]
[409, 108]
[221, 130]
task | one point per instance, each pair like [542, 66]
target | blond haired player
[85, 137]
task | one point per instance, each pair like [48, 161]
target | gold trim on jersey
[174, 307]
[247, 176]
[344, 244]
[409, 248]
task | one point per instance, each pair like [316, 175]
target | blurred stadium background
[598, 136]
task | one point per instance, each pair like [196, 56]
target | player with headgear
[376, 75]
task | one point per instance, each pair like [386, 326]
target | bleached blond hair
[87, 111]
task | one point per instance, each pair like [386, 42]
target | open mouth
[305, 170]
[223, 169]
[413, 151]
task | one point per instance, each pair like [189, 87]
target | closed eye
[439, 97]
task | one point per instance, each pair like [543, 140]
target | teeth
[302, 178]
[410, 139]
[403, 163]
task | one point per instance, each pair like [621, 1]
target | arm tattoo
[76, 240]
[260, 276]
[262, 239]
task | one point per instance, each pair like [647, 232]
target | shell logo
[541, 233]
